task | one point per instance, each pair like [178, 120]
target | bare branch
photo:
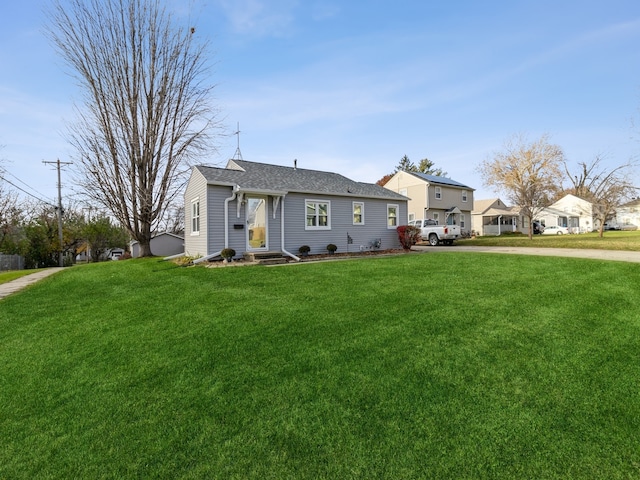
[527, 172]
[606, 188]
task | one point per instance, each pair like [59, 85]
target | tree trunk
[145, 248]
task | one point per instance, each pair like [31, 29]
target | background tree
[383, 181]
[428, 167]
[101, 235]
[606, 188]
[147, 104]
[41, 239]
[173, 220]
[406, 165]
[527, 172]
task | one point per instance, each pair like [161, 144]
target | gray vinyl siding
[375, 224]
[215, 219]
[237, 236]
[195, 245]
[162, 245]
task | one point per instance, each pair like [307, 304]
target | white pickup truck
[434, 233]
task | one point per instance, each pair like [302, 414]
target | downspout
[284, 250]
[236, 189]
[499, 230]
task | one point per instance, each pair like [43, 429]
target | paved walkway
[615, 255]
[13, 286]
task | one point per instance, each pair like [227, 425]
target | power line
[7, 172]
[24, 191]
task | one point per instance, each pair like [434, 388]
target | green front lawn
[14, 274]
[435, 365]
[611, 240]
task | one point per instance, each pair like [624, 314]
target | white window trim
[438, 193]
[353, 210]
[465, 196]
[397, 207]
[194, 202]
[462, 221]
[316, 202]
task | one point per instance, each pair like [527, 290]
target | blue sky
[352, 86]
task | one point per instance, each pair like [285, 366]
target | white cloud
[260, 18]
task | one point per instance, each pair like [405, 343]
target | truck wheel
[433, 240]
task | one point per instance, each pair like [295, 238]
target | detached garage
[162, 245]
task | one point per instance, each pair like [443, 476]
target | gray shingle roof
[264, 177]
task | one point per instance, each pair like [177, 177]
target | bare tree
[527, 172]
[605, 188]
[173, 220]
[147, 111]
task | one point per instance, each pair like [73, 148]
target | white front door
[256, 211]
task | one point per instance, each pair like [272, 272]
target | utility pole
[60, 239]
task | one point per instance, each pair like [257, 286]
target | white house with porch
[493, 217]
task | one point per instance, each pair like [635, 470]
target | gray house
[255, 207]
[162, 244]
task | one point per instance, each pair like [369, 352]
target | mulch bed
[313, 258]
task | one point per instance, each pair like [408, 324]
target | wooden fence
[11, 262]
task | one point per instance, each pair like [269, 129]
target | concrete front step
[265, 258]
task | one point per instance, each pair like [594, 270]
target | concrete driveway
[614, 255]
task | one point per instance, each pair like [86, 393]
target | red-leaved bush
[408, 235]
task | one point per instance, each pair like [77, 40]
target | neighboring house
[572, 212]
[629, 213]
[163, 244]
[439, 198]
[256, 207]
[493, 217]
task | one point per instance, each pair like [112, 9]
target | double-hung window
[392, 216]
[195, 216]
[464, 196]
[358, 213]
[438, 191]
[318, 215]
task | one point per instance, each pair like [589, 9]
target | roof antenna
[238, 154]
[295, 163]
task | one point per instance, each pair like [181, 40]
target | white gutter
[297, 259]
[236, 189]
[499, 230]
